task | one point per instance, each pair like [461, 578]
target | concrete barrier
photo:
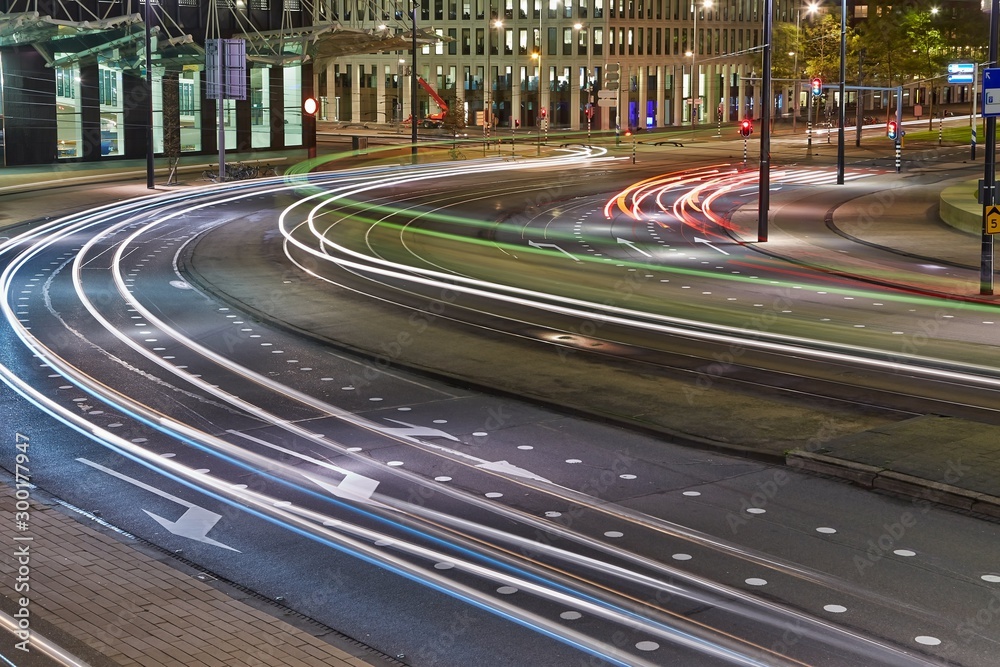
[959, 209]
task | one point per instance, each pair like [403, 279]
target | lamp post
[488, 75]
[413, 87]
[588, 107]
[811, 9]
[842, 107]
[695, 97]
[537, 57]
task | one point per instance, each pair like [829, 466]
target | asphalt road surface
[434, 522]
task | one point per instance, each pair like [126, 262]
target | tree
[454, 120]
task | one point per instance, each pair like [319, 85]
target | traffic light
[817, 87]
[892, 130]
[746, 127]
[612, 76]
[543, 114]
[517, 123]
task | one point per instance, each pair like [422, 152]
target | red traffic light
[817, 87]
[892, 130]
[543, 113]
[746, 127]
[517, 123]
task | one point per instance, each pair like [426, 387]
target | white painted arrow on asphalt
[511, 469]
[698, 240]
[554, 246]
[414, 431]
[194, 524]
[631, 244]
[354, 487]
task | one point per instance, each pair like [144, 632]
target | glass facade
[69, 119]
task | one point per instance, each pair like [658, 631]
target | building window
[69, 130]
[292, 79]
[189, 101]
[260, 107]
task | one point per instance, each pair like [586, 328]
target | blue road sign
[991, 92]
[961, 72]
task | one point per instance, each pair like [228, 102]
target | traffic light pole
[990, 174]
[764, 180]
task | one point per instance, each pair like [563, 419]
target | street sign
[607, 93]
[606, 102]
[961, 72]
[229, 82]
[993, 220]
[991, 92]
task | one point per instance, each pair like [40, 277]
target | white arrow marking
[510, 469]
[552, 245]
[415, 431]
[631, 244]
[354, 487]
[194, 524]
[698, 240]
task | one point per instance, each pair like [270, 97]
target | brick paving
[103, 600]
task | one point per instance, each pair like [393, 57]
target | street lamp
[537, 57]
[588, 108]
[811, 9]
[487, 99]
[695, 97]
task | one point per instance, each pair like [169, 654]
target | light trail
[189, 477]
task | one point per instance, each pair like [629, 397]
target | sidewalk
[111, 600]
[935, 459]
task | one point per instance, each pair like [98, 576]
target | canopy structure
[119, 41]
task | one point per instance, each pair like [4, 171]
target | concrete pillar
[678, 95]
[727, 93]
[383, 111]
[356, 92]
[741, 102]
[642, 76]
[661, 96]
[711, 93]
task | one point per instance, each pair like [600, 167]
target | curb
[875, 478]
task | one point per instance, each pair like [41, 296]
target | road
[365, 496]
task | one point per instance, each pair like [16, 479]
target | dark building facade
[74, 86]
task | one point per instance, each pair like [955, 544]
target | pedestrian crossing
[814, 176]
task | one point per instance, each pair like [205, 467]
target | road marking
[194, 524]
[552, 245]
[414, 431]
[700, 240]
[631, 244]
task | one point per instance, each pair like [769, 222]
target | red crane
[432, 119]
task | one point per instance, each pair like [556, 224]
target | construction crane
[432, 119]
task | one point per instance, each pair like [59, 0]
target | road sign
[993, 220]
[961, 72]
[991, 92]
[607, 93]
[606, 102]
[225, 75]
